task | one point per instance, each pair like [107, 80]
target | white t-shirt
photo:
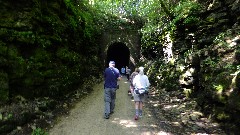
[141, 81]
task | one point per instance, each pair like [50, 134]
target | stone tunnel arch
[119, 53]
[125, 44]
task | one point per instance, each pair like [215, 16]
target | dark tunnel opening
[119, 53]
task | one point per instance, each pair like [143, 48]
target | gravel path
[87, 117]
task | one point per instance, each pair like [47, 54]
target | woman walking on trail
[111, 76]
[140, 81]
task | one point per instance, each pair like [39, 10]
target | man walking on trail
[123, 71]
[111, 76]
[128, 70]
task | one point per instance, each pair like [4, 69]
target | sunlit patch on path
[87, 117]
[125, 123]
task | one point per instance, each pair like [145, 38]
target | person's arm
[119, 77]
[134, 81]
[131, 76]
[147, 83]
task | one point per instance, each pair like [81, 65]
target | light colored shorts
[137, 97]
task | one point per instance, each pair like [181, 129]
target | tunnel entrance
[119, 53]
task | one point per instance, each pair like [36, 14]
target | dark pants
[128, 76]
[109, 98]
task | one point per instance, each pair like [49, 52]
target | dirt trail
[87, 117]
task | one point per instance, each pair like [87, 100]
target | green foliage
[187, 7]
[6, 117]
[187, 11]
[185, 16]
[237, 57]
[67, 55]
[237, 81]
[118, 14]
[209, 62]
[4, 87]
[216, 87]
[164, 76]
[155, 30]
[222, 116]
[220, 41]
[47, 54]
[215, 80]
[39, 131]
[191, 20]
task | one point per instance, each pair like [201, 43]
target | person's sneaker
[140, 115]
[106, 116]
[136, 117]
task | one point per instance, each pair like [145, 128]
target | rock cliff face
[212, 50]
[43, 48]
[205, 61]
[44, 56]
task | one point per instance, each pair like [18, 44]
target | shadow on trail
[163, 114]
[175, 114]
